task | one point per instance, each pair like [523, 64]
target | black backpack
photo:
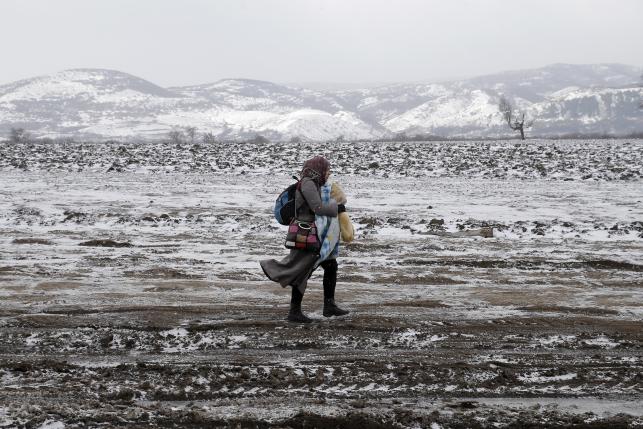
[285, 204]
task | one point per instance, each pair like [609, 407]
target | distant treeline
[569, 136]
[19, 135]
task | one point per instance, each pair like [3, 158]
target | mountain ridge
[103, 103]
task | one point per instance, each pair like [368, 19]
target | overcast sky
[185, 42]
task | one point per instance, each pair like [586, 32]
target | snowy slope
[247, 94]
[86, 102]
[468, 108]
[105, 104]
[607, 110]
[452, 113]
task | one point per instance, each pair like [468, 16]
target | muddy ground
[134, 298]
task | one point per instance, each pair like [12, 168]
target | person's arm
[311, 193]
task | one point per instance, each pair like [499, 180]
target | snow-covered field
[131, 291]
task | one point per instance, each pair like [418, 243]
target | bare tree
[400, 137]
[191, 133]
[176, 136]
[259, 139]
[208, 138]
[18, 135]
[515, 122]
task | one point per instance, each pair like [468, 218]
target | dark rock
[465, 405]
[77, 216]
[358, 403]
[105, 243]
[31, 241]
[115, 167]
[370, 222]
[106, 340]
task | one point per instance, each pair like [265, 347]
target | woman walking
[296, 268]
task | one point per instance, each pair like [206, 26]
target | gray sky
[368, 41]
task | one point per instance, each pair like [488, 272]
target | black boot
[331, 309]
[295, 315]
[330, 281]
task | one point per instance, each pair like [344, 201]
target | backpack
[285, 204]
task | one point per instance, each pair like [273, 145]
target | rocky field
[131, 293]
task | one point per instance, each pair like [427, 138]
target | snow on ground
[129, 280]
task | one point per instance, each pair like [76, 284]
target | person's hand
[337, 193]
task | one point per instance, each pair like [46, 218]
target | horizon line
[320, 83]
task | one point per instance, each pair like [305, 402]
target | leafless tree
[209, 138]
[515, 122]
[176, 136]
[259, 139]
[191, 133]
[400, 137]
[18, 135]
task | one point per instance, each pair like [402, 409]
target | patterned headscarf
[316, 168]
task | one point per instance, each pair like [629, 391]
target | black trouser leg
[296, 297]
[295, 314]
[330, 278]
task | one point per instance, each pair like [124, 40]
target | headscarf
[316, 168]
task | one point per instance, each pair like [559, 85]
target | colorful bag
[303, 236]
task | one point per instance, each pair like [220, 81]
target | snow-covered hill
[98, 103]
